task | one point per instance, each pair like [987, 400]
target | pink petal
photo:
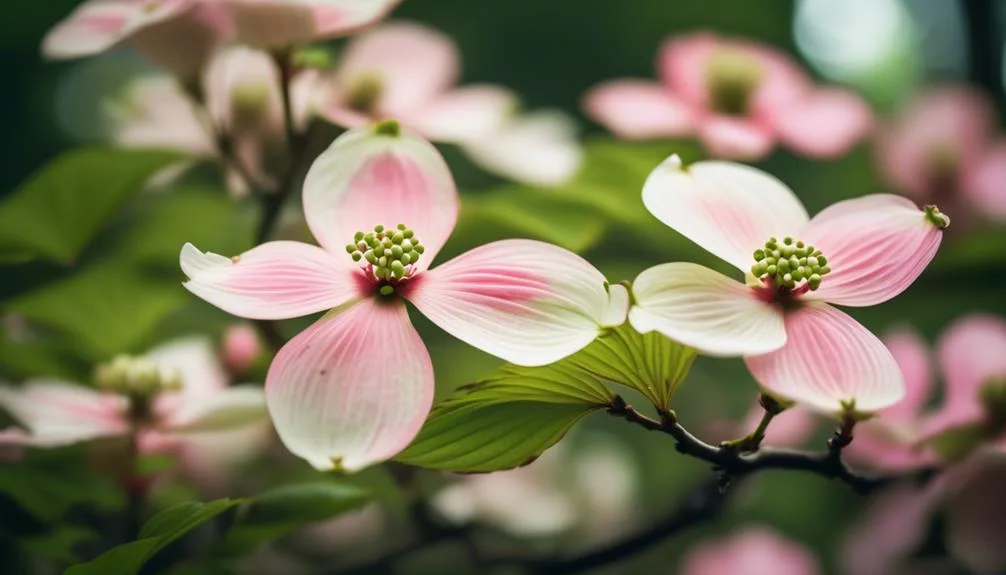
[985, 186]
[682, 66]
[637, 109]
[97, 25]
[975, 511]
[463, 114]
[414, 64]
[241, 348]
[950, 119]
[751, 551]
[735, 138]
[234, 72]
[876, 246]
[193, 360]
[889, 531]
[824, 123]
[829, 359]
[184, 44]
[728, 209]
[366, 179]
[705, 310]
[912, 355]
[282, 23]
[970, 353]
[353, 389]
[539, 148]
[276, 280]
[57, 413]
[226, 410]
[525, 301]
[790, 428]
[155, 113]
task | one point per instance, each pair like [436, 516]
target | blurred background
[121, 292]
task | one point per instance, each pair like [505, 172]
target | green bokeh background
[549, 51]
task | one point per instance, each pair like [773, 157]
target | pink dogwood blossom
[858, 252]
[740, 98]
[354, 388]
[203, 422]
[178, 35]
[409, 73]
[753, 550]
[943, 147]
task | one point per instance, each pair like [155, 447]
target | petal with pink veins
[735, 138]
[366, 178]
[411, 63]
[876, 246]
[539, 148]
[463, 114]
[637, 109]
[706, 310]
[276, 280]
[525, 301]
[728, 209]
[97, 25]
[829, 362]
[825, 123]
[58, 413]
[353, 389]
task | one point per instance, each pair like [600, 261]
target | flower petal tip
[388, 128]
[673, 163]
[936, 217]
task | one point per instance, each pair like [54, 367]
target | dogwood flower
[355, 387]
[858, 252]
[283, 23]
[178, 35]
[408, 72]
[943, 148]
[738, 97]
[751, 551]
[175, 398]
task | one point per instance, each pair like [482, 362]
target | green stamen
[732, 78]
[790, 262]
[936, 217]
[135, 376]
[364, 92]
[390, 253]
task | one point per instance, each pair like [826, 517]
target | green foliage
[52, 484]
[956, 443]
[279, 511]
[59, 210]
[105, 310]
[160, 531]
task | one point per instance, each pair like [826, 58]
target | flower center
[135, 377]
[732, 78]
[788, 263]
[389, 255]
[992, 396]
[363, 93]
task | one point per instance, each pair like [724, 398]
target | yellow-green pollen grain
[732, 77]
[390, 252]
[790, 262]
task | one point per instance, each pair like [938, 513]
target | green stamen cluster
[789, 262]
[135, 376]
[732, 77]
[390, 252]
[364, 92]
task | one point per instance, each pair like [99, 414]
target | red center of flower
[388, 255]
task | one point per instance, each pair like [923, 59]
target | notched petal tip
[194, 262]
[936, 217]
[673, 163]
[618, 306]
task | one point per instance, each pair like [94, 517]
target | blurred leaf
[279, 511]
[205, 217]
[958, 442]
[483, 437]
[651, 364]
[59, 544]
[106, 309]
[57, 212]
[977, 249]
[39, 359]
[162, 529]
[49, 489]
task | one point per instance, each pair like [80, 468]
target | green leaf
[650, 363]
[483, 437]
[59, 210]
[50, 488]
[59, 544]
[106, 309]
[279, 511]
[162, 529]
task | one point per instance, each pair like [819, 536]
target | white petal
[60, 413]
[225, 410]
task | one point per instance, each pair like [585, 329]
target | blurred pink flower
[790, 428]
[943, 147]
[975, 505]
[738, 97]
[354, 388]
[409, 72]
[241, 347]
[858, 252]
[191, 422]
[178, 35]
[284, 23]
[751, 551]
[972, 357]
